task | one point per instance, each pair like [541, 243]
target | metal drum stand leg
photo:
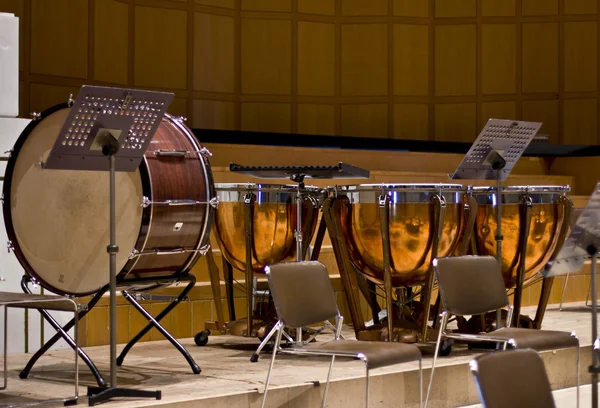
[525, 207]
[63, 332]
[155, 322]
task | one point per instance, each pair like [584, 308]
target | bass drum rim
[6, 204]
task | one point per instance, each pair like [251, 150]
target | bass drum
[57, 221]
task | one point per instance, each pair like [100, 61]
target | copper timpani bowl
[540, 208]
[411, 227]
[273, 220]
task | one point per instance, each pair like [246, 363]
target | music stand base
[98, 395]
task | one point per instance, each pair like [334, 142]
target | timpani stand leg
[249, 273]
[319, 239]
[215, 284]
[375, 309]
[228, 276]
[155, 322]
[331, 206]
[566, 205]
[384, 222]
[438, 214]
[63, 332]
[525, 208]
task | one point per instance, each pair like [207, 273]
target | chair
[473, 285]
[303, 296]
[512, 379]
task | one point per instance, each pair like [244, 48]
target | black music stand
[118, 123]
[297, 174]
[584, 242]
[492, 157]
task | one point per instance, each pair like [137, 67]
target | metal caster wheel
[201, 339]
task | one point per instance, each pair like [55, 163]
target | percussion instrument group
[384, 236]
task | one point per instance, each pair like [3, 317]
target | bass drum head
[58, 220]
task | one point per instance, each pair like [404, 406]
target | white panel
[9, 65]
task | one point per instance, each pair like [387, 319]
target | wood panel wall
[416, 69]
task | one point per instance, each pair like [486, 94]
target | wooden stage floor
[229, 379]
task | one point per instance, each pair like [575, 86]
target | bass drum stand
[132, 296]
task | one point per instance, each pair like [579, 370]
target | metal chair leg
[587, 298]
[327, 384]
[420, 383]
[5, 347]
[435, 354]
[279, 326]
[367, 388]
[262, 345]
[578, 352]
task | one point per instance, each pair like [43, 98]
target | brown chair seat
[375, 353]
[539, 340]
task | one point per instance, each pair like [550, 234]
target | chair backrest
[514, 378]
[302, 292]
[470, 285]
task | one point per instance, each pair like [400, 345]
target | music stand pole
[298, 178]
[112, 250]
[498, 164]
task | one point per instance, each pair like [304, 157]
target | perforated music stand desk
[508, 138]
[584, 242]
[109, 129]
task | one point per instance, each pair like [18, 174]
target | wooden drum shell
[173, 178]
